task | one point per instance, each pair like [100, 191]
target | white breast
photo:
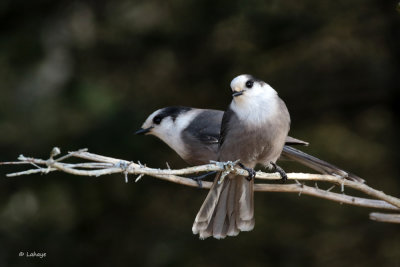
[256, 106]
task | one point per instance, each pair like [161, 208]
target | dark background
[86, 74]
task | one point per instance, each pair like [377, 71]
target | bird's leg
[282, 173]
[199, 178]
[252, 172]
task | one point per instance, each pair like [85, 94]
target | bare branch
[296, 188]
[385, 217]
[101, 165]
[316, 192]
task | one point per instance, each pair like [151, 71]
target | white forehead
[149, 120]
[240, 80]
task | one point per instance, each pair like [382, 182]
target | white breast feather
[256, 106]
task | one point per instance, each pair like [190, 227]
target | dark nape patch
[173, 112]
[254, 79]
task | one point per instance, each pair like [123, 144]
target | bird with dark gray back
[253, 129]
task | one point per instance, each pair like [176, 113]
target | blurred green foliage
[81, 74]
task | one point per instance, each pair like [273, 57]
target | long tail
[227, 209]
[317, 164]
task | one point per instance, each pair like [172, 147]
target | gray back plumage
[202, 134]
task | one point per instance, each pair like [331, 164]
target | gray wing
[201, 137]
[205, 127]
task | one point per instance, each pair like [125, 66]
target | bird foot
[252, 172]
[282, 173]
[199, 178]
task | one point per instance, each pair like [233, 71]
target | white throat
[256, 107]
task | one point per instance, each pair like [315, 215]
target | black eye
[249, 84]
[157, 119]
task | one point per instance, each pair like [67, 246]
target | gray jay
[253, 130]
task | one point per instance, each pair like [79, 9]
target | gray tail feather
[227, 209]
[317, 164]
[294, 141]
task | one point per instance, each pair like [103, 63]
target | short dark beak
[237, 93]
[143, 131]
